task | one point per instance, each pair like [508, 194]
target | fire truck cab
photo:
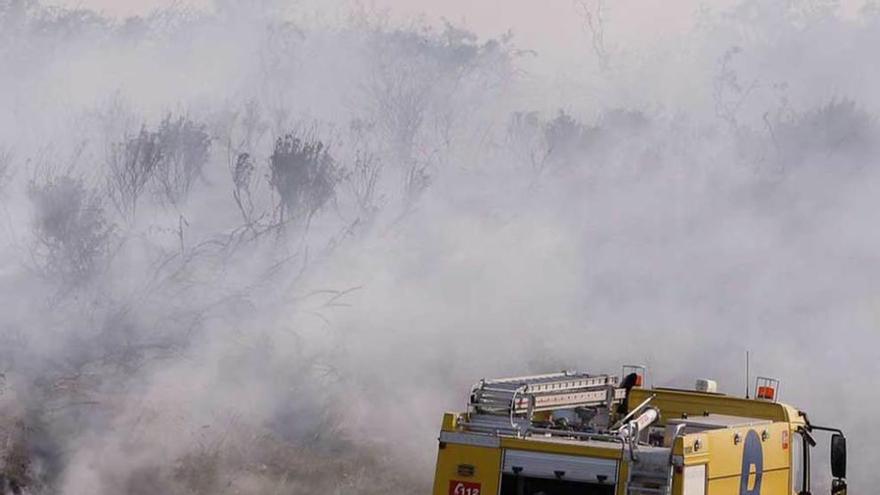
[575, 433]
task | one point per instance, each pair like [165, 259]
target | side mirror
[838, 456]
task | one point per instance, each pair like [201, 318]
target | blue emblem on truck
[753, 455]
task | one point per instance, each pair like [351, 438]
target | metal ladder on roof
[509, 404]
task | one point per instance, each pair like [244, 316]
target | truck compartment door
[558, 466]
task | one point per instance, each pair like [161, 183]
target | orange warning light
[768, 393]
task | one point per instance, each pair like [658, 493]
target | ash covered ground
[261, 246]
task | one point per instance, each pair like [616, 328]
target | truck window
[797, 462]
[523, 485]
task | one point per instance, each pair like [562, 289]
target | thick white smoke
[254, 250]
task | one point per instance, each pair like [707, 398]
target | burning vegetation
[239, 250]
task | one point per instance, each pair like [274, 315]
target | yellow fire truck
[583, 434]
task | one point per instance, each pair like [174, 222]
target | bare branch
[593, 12]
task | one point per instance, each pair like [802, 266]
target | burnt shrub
[5, 167]
[839, 129]
[568, 140]
[184, 146]
[131, 166]
[166, 161]
[303, 174]
[242, 179]
[422, 87]
[72, 235]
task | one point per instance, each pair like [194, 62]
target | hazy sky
[546, 24]
[556, 29]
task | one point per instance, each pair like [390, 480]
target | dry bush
[622, 121]
[364, 172]
[184, 146]
[539, 143]
[564, 141]
[72, 234]
[420, 83]
[168, 161]
[362, 179]
[243, 131]
[303, 174]
[566, 138]
[839, 129]
[131, 166]
[242, 180]
[5, 167]
[525, 140]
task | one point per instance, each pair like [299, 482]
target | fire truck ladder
[508, 405]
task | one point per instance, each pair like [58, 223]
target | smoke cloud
[256, 249]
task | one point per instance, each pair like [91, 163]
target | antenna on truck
[747, 374]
